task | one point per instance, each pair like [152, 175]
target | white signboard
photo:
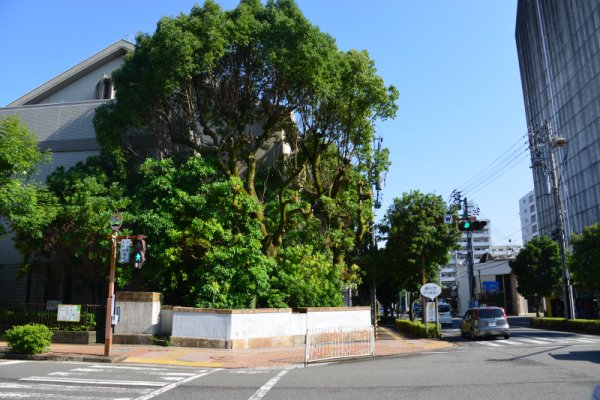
[69, 312]
[431, 290]
[448, 219]
[431, 311]
[125, 250]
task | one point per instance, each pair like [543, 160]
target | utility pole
[543, 149]
[555, 143]
[470, 262]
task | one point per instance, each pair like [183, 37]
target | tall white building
[528, 214]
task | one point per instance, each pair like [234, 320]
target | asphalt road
[533, 364]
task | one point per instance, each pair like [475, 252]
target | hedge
[417, 329]
[570, 325]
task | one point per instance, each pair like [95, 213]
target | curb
[5, 355]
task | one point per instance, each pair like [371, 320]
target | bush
[416, 328]
[160, 340]
[29, 339]
[563, 324]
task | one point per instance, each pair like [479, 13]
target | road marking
[532, 341]
[11, 362]
[70, 388]
[509, 342]
[37, 395]
[260, 393]
[93, 381]
[489, 343]
[174, 385]
[584, 340]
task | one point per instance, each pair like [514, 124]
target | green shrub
[160, 340]
[29, 339]
[416, 328]
[570, 325]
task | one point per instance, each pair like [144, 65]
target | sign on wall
[69, 312]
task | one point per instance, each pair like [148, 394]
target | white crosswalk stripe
[537, 340]
[100, 382]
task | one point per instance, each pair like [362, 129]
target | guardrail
[334, 343]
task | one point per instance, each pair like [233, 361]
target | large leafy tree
[538, 269]
[418, 241]
[584, 262]
[24, 204]
[77, 236]
[204, 240]
[227, 84]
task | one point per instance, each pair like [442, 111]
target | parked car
[485, 321]
[445, 314]
[418, 310]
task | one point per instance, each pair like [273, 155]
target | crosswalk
[98, 382]
[540, 341]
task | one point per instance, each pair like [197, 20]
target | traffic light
[138, 256]
[469, 225]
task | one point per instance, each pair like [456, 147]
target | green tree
[418, 241]
[24, 204]
[205, 240]
[538, 269]
[84, 198]
[226, 84]
[584, 262]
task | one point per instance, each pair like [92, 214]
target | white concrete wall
[248, 324]
[337, 317]
[260, 325]
[139, 313]
[210, 324]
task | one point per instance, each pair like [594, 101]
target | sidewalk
[388, 343]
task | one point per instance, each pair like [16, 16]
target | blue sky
[454, 63]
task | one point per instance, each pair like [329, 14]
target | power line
[495, 165]
[512, 163]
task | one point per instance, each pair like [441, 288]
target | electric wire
[499, 168]
[514, 162]
[495, 165]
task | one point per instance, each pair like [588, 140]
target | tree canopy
[584, 262]
[241, 145]
[538, 269]
[286, 123]
[24, 204]
[418, 241]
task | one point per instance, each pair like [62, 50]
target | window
[104, 88]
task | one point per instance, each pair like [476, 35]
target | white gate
[331, 343]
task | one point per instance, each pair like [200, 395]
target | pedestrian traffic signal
[469, 225]
[138, 255]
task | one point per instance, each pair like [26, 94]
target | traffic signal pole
[114, 238]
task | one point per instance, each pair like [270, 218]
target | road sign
[124, 254]
[431, 290]
[116, 220]
[490, 286]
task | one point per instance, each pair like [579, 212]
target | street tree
[76, 237]
[584, 262]
[24, 204]
[236, 86]
[418, 241]
[538, 270]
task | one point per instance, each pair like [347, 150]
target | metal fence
[38, 313]
[332, 343]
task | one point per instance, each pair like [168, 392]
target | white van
[445, 314]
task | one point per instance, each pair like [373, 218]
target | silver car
[485, 321]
